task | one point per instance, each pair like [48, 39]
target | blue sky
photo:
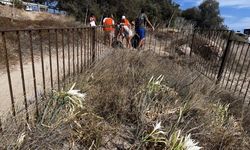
[235, 12]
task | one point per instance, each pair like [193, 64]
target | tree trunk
[86, 15]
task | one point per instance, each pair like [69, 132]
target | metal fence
[214, 53]
[234, 75]
[36, 61]
[223, 60]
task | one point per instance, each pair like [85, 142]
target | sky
[236, 13]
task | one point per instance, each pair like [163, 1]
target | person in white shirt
[92, 20]
[248, 39]
[126, 26]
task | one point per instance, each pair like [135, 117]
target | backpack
[135, 41]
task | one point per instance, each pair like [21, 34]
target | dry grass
[6, 23]
[123, 105]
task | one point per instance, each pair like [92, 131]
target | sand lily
[157, 126]
[190, 144]
[20, 140]
[179, 142]
[175, 141]
[76, 93]
[156, 136]
[62, 106]
[222, 114]
[155, 84]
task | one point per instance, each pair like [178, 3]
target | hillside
[23, 19]
[135, 100]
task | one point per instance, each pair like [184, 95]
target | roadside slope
[24, 19]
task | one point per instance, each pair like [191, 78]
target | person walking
[108, 28]
[140, 27]
[126, 28]
[92, 20]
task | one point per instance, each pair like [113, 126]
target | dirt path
[70, 67]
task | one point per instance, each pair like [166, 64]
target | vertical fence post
[63, 55]
[224, 56]
[50, 62]
[22, 75]
[33, 71]
[42, 61]
[8, 73]
[57, 61]
[93, 45]
[192, 43]
[1, 126]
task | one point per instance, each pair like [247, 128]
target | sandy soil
[19, 14]
[75, 66]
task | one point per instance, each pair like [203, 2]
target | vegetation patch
[133, 100]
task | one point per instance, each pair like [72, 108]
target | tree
[157, 10]
[210, 14]
[193, 14]
[207, 15]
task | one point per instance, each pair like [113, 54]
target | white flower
[189, 144]
[160, 78]
[157, 126]
[157, 82]
[151, 79]
[75, 92]
[21, 138]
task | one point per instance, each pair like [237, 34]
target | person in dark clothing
[140, 27]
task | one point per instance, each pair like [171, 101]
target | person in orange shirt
[108, 28]
[126, 28]
[126, 22]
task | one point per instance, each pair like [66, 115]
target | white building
[35, 7]
[6, 2]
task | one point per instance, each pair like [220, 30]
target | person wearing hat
[126, 22]
[126, 28]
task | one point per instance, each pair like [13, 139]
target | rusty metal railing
[47, 59]
[213, 53]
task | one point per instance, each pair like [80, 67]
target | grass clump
[62, 106]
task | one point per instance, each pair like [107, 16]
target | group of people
[124, 28]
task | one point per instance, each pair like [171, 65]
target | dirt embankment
[23, 19]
